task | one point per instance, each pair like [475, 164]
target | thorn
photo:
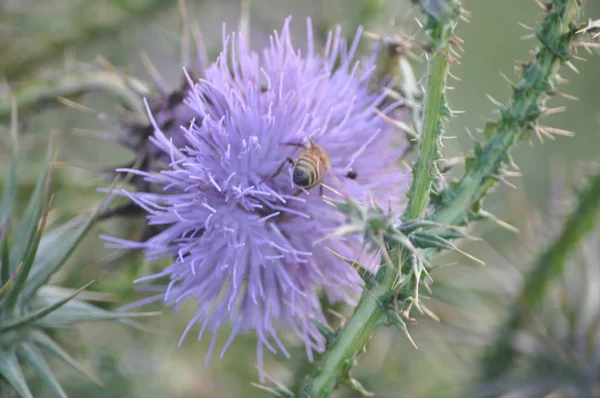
[527, 27]
[489, 216]
[419, 22]
[275, 382]
[453, 76]
[265, 388]
[159, 82]
[556, 131]
[552, 111]
[336, 314]
[507, 79]
[544, 7]
[497, 103]
[506, 182]
[469, 256]
[429, 313]
[559, 79]
[99, 135]
[371, 35]
[572, 67]
[565, 96]
[399, 124]
[513, 173]
[82, 108]
[469, 133]
[464, 18]
[126, 81]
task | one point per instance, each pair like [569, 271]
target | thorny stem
[336, 363]
[37, 94]
[555, 36]
[549, 265]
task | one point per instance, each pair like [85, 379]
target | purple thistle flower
[246, 247]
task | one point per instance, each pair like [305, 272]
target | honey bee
[310, 168]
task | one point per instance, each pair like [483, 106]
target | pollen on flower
[243, 243]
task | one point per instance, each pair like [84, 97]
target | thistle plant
[272, 184]
[31, 308]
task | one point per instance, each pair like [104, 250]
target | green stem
[548, 266]
[35, 95]
[555, 36]
[20, 58]
[425, 169]
[336, 363]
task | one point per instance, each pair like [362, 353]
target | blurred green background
[41, 39]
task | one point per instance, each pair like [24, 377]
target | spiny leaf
[34, 358]
[11, 371]
[78, 311]
[44, 341]
[9, 283]
[431, 240]
[56, 246]
[25, 267]
[22, 321]
[25, 233]
[59, 291]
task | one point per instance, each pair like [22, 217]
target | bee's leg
[279, 169]
[320, 189]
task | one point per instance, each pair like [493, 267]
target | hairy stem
[548, 266]
[336, 363]
[35, 95]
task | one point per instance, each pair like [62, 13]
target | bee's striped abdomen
[306, 171]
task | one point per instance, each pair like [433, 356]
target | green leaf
[25, 233]
[14, 323]
[56, 247]
[430, 240]
[30, 354]
[9, 283]
[43, 340]
[25, 267]
[79, 311]
[11, 371]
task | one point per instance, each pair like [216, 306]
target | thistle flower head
[245, 239]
